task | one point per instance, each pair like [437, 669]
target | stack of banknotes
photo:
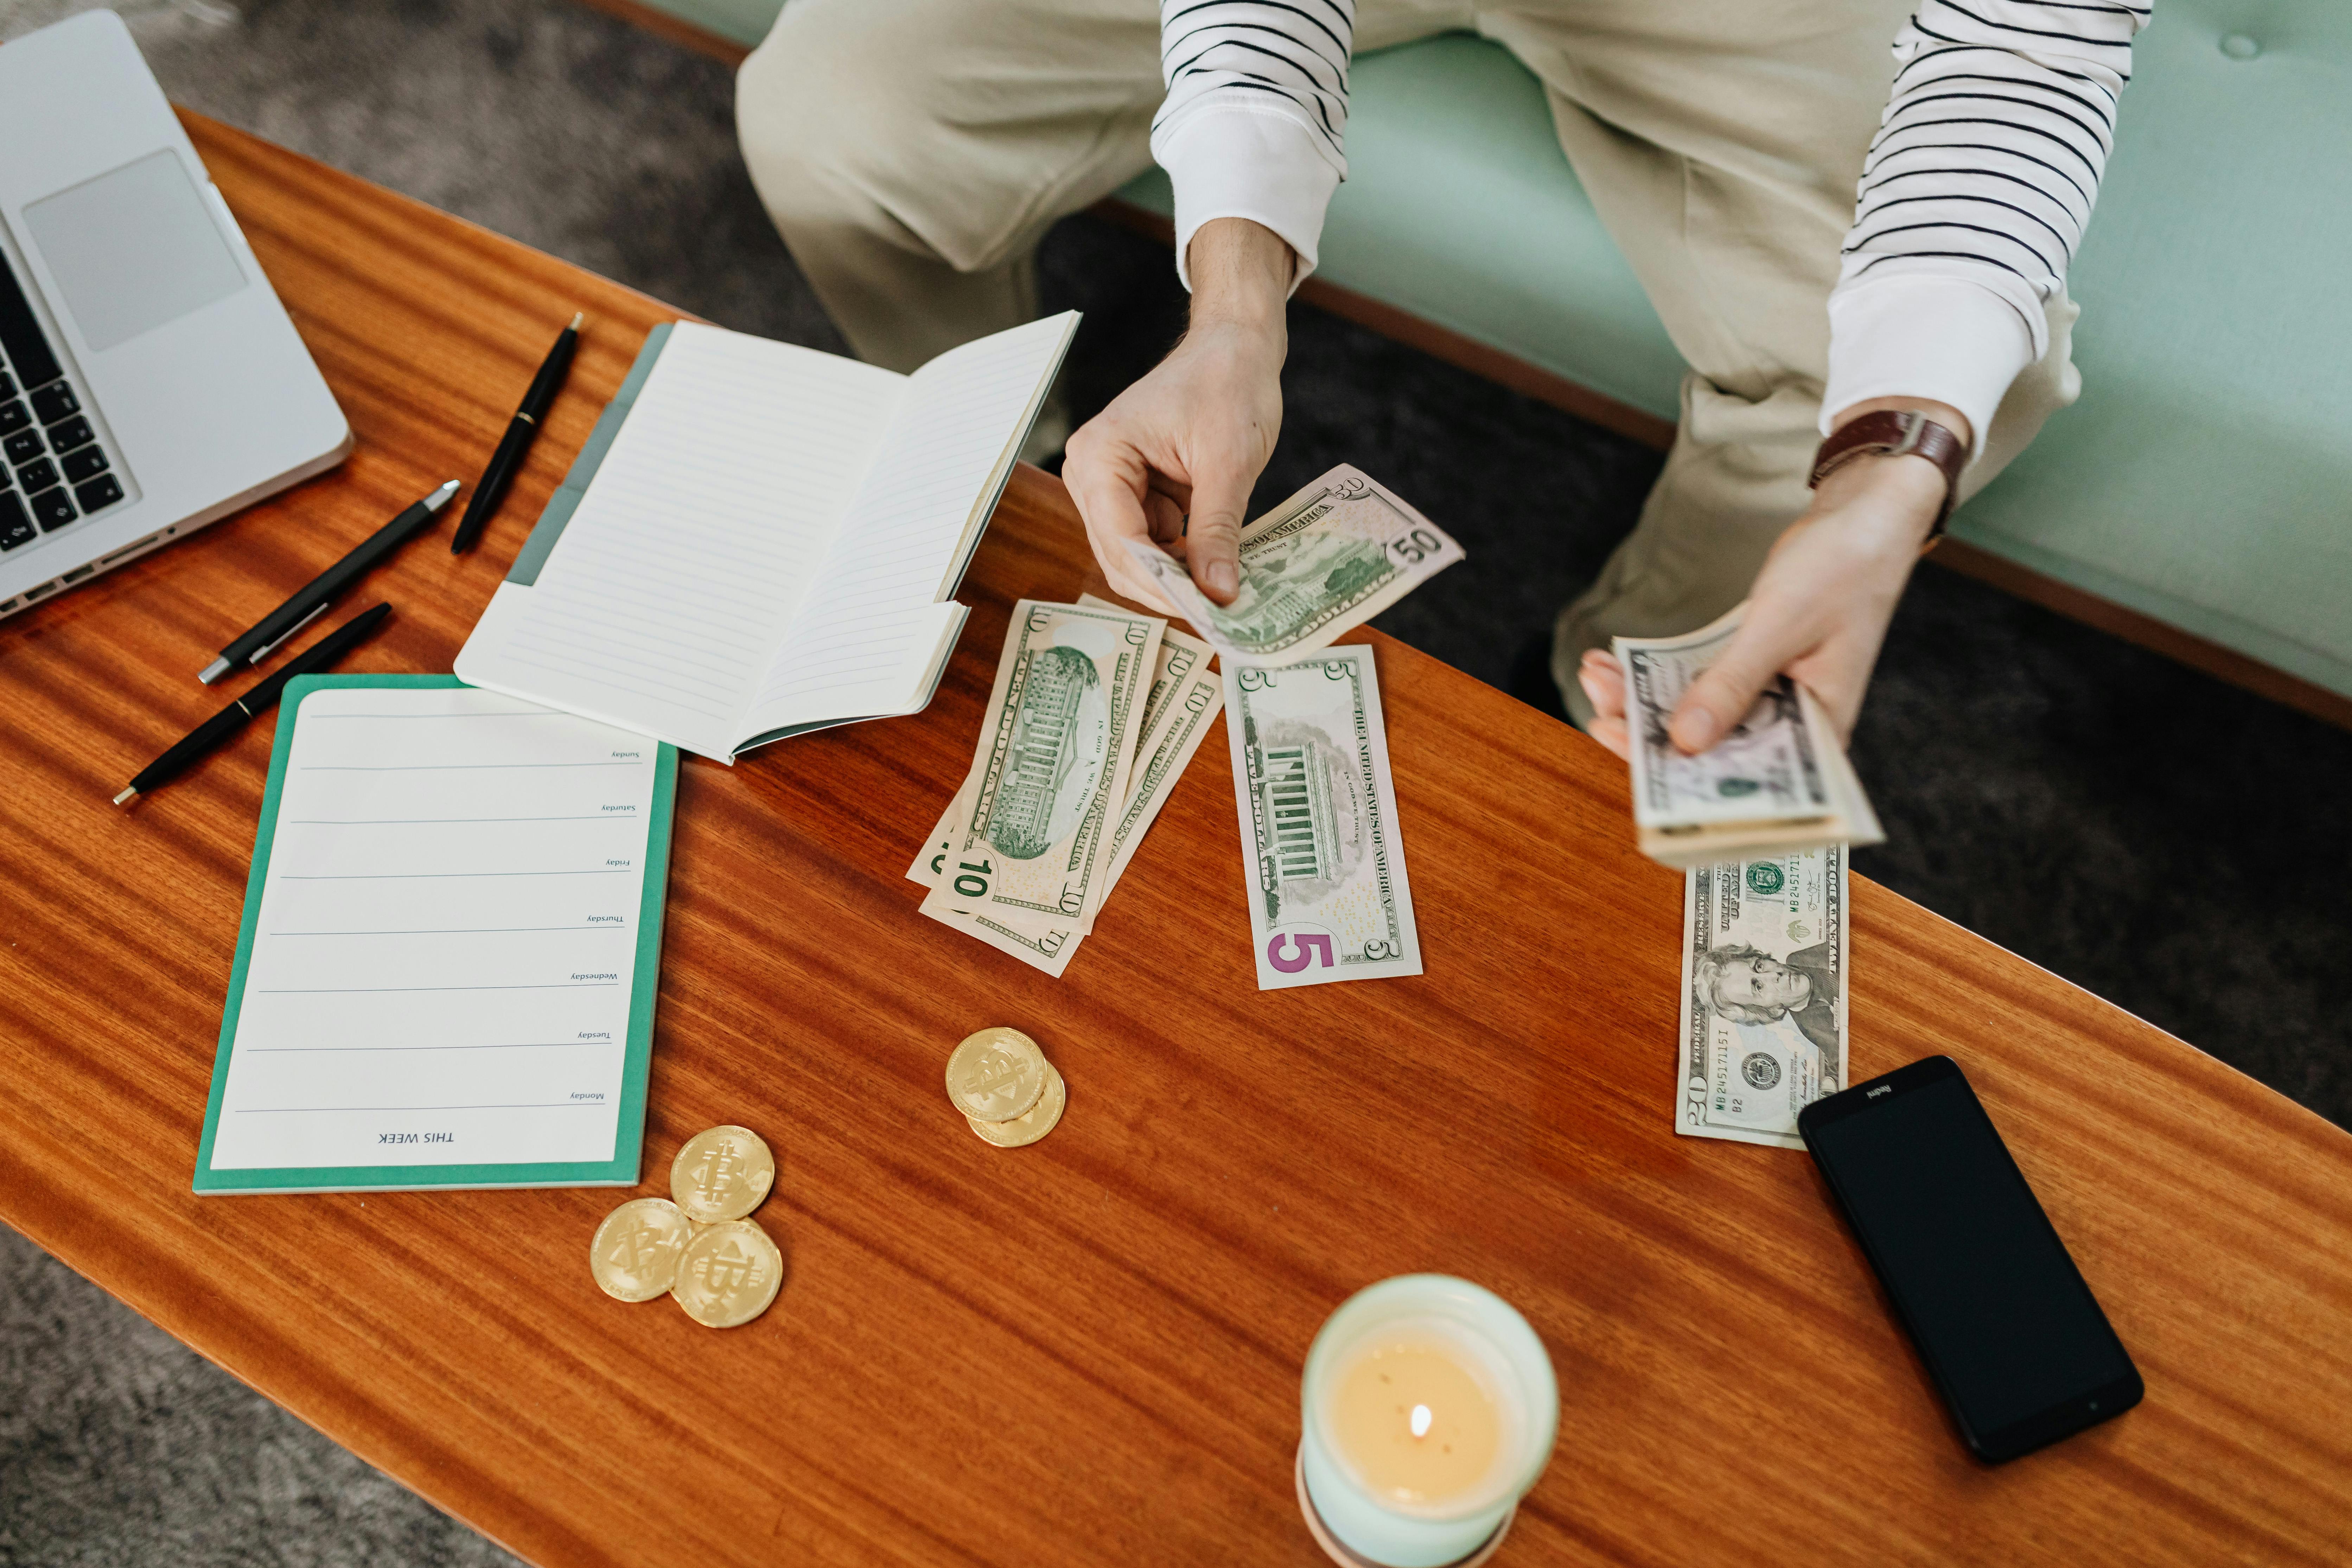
[1778, 783]
[1095, 711]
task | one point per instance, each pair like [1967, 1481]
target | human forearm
[1241, 276]
[1820, 606]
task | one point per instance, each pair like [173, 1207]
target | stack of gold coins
[698, 1246]
[1005, 1088]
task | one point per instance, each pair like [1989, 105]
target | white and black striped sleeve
[1254, 121]
[1974, 196]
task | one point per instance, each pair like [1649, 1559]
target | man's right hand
[1173, 458]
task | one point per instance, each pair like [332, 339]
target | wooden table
[1088, 1351]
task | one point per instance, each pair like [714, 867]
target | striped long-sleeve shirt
[1971, 203]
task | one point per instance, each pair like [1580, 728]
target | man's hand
[1173, 458]
[1821, 605]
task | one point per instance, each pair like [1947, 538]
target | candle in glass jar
[1429, 1408]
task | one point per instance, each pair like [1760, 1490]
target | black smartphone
[2009, 1329]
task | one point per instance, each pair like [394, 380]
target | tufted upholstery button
[2239, 46]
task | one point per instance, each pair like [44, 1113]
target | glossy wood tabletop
[1088, 1351]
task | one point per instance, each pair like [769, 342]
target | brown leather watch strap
[1896, 433]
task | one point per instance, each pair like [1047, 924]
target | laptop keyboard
[54, 472]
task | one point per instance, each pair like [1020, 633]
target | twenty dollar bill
[1321, 859]
[1764, 994]
[1321, 564]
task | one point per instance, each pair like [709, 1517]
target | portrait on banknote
[1763, 1004]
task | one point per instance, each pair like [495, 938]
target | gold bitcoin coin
[724, 1173]
[997, 1075]
[727, 1275]
[1040, 1121]
[635, 1255]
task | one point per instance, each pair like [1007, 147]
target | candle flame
[1421, 1420]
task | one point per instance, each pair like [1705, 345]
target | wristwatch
[1895, 433]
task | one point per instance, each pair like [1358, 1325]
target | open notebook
[759, 540]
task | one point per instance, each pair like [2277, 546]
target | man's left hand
[1820, 607]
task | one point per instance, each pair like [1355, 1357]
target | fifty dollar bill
[1321, 859]
[1321, 564]
[1764, 994]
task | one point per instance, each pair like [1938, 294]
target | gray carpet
[2075, 799]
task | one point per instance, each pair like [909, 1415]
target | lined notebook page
[698, 539]
[443, 962]
[941, 461]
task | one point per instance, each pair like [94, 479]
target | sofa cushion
[2205, 477]
[743, 21]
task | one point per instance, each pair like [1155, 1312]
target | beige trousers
[913, 152]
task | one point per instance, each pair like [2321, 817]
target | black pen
[311, 600]
[515, 445]
[255, 702]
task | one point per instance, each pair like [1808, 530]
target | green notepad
[451, 945]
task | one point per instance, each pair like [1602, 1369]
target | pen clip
[283, 637]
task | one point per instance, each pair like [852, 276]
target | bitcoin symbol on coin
[997, 1075]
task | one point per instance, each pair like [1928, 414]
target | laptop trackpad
[133, 250]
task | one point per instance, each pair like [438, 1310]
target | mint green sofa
[2205, 479]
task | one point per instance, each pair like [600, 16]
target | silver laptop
[150, 382]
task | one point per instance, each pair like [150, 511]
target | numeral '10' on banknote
[1322, 861]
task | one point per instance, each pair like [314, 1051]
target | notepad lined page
[699, 539]
[941, 464]
[443, 960]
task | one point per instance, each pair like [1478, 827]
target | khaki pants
[913, 152]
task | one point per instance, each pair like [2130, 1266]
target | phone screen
[2008, 1327]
